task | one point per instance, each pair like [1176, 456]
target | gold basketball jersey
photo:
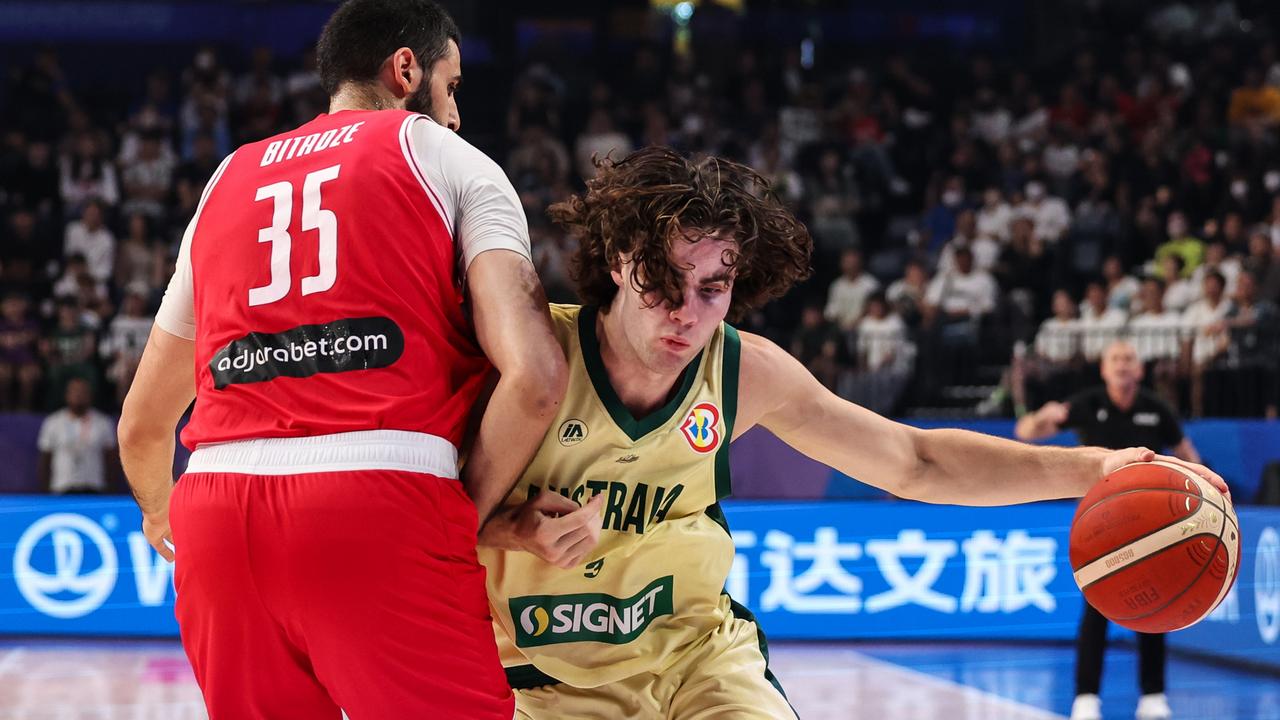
[653, 585]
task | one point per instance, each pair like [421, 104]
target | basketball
[1154, 547]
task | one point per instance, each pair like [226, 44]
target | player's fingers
[162, 548]
[1127, 456]
[1214, 478]
[554, 503]
[574, 556]
[571, 537]
[590, 513]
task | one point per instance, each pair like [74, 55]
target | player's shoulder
[761, 359]
[1149, 401]
[448, 145]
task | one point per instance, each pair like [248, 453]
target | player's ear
[402, 69]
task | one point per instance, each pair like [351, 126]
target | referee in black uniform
[1118, 414]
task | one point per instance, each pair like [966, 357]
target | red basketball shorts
[301, 596]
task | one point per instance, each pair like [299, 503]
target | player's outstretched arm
[161, 392]
[1043, 423]
[938, 466]
[513, 325]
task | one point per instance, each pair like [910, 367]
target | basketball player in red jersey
[325, 545]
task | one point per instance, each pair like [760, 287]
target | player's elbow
[910, 461]
[541, 381]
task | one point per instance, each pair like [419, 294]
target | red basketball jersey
[326, 290]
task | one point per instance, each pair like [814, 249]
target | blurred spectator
[1179, 292]
[1156, 334]
[1048, 213]
[551, 253]
[1182, 243]
[833, 199]
[884, 358]
[995, 216]
[1253, 325]
[986, 251]
[906, 294]
[37, 183]
[1099, 322]
[191, 176]
[122, 345]
[1204, 322]
[847, 297]
[306, 98]
[90, 237]
[1025, 269]
[68, 351]
[1047, 371]
[87, 175]
[1258, 260]
[28, 250]
[77, 445]
[1217, 260]
[955, 305]
[147, 178]
[136, 255]
[939, 224]
[1121, 287]
[814, 332]
[598, 140]
[19, 358]
[1254, 104]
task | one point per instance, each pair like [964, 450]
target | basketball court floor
[55, 680]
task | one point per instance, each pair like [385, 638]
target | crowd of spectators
[988, 223]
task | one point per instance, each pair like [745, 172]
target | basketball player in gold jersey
[616, 609]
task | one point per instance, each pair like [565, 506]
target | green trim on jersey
[622, 417]
[729, 400]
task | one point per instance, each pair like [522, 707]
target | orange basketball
[1155, 547]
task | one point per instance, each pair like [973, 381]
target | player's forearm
[519, 413]
[146, 453]
[966, 468]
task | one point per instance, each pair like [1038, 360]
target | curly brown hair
[636, 206]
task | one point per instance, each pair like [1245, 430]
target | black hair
[362, 34]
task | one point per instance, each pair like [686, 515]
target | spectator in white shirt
[985, 250]
[1156, 335]
[1179, 293]
[885, 357]
[1049, 213]
[1217, 260]
[847, 296]
[995, 216]
[1056, 353]
[77, 445]
[1122, 288]
[89, 237]
[127, 336]
[963, 293]
[148, 177]
[1203, 322]
[1099, 323]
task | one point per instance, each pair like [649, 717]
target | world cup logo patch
[700, 427]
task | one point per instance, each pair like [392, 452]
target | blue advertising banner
[1246, 626]
[847, 569]
[81, 567]
[809, 570]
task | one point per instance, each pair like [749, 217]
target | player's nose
[455, 118]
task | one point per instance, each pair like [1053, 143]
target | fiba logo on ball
[535, 620]
[1266, 589]
[63, 588]
[572, 432]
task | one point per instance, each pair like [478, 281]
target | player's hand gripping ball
[1155, 547]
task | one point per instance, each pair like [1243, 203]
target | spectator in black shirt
[1119, 414]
